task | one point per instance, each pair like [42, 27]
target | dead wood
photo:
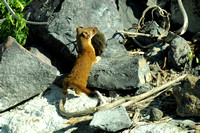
[73, 121]
[126, 102]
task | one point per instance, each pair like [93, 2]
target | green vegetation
[191, 57]
[12, 26]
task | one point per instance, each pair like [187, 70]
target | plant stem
[14, 15]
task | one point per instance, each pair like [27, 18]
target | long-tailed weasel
[77, 79]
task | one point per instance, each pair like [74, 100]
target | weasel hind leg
[65, 92]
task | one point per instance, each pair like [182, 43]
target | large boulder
[130, 12]
[63, 18]
[112, 120]
[188, 97]
[22, 74]
[178, 54]
[119, 70]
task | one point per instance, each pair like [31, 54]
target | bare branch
[72, 121]
[15, 16]
[2, 20]
[183, 29]
[124, 101]
[136, 34]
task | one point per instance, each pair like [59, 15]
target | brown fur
[77, 79]
[99, 43]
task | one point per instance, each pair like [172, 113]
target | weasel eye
[93, 30]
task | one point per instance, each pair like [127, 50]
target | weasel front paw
[65, 92]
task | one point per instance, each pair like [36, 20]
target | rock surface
[178, 54]
[111, 120]
[188, 97]
[119, 70]
[155, 114]
[157, 53]
[41, 114]
[61, 31]
[22, 74]
[192, 10]
[77, 103]
[130, 12]
[168, 127]
[37, 115]
[65, 16]
[151, 28]
[40, 55]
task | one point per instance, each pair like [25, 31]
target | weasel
[77, 79]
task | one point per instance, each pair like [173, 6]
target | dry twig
[124, 101]
[73, 121]
[15, 16]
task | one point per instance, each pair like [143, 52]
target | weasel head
[86, 33]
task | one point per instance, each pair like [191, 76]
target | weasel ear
[86, 34]
[79, 27]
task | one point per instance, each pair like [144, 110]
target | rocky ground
[31, 77]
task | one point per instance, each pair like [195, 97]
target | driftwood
[126, 102]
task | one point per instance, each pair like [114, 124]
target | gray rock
[157, 53]
[40, 55]
[119, 70]
[188, 97]
[196, 71]
[161, 3]
[178, 54]
[22, 74]
[41, 115]
[151, 28]
[129, 11]
[172, 126]
[113, 67]
[144, 88]
[65, 16]
[111, 120]
[155, 114]
[38, 115]
[76, 103]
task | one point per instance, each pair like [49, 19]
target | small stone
[111, 120]
[178, 54]
[155, 114]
